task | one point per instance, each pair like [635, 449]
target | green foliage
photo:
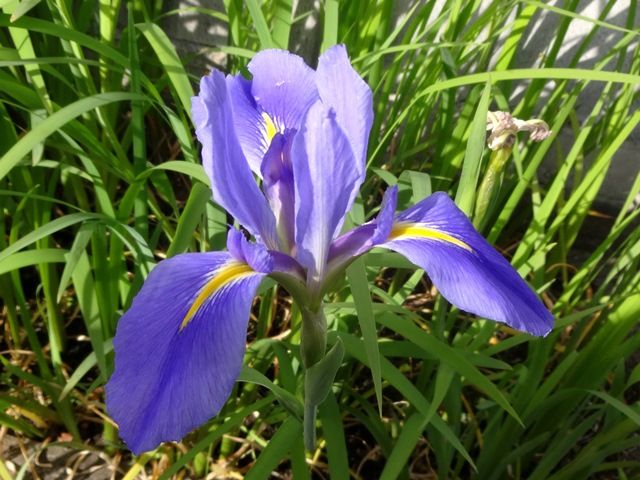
[100, 178]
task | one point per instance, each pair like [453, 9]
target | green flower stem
[490, 184]
[318, 380]
[295, 286]
[320, 367]
[309, 424]
[313, 341]
[313, 346]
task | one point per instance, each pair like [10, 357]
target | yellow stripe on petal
[224, 275]
[270, 127]
[416, 230]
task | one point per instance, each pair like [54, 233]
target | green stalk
[490, 185]
[313, 345]
[309, 424]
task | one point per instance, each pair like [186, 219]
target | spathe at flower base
[303, 135]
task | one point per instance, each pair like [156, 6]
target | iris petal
[343, 90]
[366, 236]
[232, 182]
[278, 186]
[253, 254]
[248, 122]
[283, 86]
[326, 182]
[437, 236]
[179, 348]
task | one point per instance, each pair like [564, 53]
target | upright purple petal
[283, 86]
[232, 182]
[342, 89]
[179, 348]
[248, 122]
[277, 183]
[326, 182]
[437, 236]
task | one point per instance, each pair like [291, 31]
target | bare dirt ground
[39, 460]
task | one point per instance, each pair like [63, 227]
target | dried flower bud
[504, 127]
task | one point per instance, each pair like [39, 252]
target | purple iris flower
[285, 153]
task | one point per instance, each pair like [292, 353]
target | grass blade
[357, 276]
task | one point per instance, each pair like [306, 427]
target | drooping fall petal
[179, 348]
[437, 236]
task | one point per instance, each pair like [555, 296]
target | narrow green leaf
[409, 392]
[330, 26]
[46, 230]
[420, 185]
[381, 258]
[50, 388]
[518, 28]
[85, 366]
[584, 18]
[86, 294]
[334, 435]
[32, 257]
[291, 403]
[634, 377]
[282, 19]
[357, 276]
[449, 355]
[414, 427]
[139, 149]
[19, 425]
[79, 245]
[170, 60]
[260, 24]
[404, 445]
[277, 449]
[466, 194]
[319, 378]
[194, 170]
[23, 8]
[626, 410]
[4, 472]
[216, 432]
[56, 121]
[190, 218]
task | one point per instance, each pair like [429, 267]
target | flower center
[270, 128]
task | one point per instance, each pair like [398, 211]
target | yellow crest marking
[421, 231]
[270, 126]
[229, 272]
